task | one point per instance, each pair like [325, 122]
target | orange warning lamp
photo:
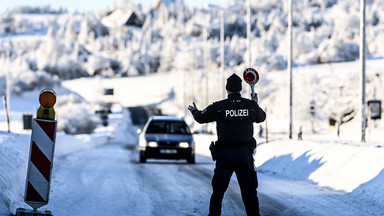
[47, 99]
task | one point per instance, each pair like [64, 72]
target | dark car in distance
[166, 137]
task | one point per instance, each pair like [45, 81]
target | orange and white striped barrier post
[40, 156]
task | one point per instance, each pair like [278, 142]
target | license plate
[168, 151]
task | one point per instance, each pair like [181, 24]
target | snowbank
[340, 166]
[126, 132]
[14, 151]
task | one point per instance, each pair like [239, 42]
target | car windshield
[168, 127]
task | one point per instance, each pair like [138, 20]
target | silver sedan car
[166, 137]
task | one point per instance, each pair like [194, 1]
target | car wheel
[143, 159]
[191, 160]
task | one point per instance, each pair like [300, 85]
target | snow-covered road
[109, 180]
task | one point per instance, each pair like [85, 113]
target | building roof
[120, 18]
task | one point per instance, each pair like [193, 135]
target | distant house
[120, 18]
[166, 8]
[157, 4]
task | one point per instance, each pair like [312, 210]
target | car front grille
[168, 143]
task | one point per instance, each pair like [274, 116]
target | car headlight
[183, 145]
[152, 144]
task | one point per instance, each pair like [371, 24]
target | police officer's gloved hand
[255, 98]
[193, 108]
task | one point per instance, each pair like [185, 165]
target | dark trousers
[236, 159]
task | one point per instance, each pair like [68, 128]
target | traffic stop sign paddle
[251, 76]
[40, 156]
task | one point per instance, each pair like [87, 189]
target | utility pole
[290, 65]
[362, 64]
[221, 11]
[206, 59]
[6, 112]
[8, 77]
[222, 66]
[249, 32]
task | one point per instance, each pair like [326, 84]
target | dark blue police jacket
[234, 118]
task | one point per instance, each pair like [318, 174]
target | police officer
[234, 119]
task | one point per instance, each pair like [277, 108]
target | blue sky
[91, 5]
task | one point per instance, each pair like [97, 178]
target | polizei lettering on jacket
[236, 113]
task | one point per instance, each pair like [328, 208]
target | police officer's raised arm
[209, 114]
[258, 115]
